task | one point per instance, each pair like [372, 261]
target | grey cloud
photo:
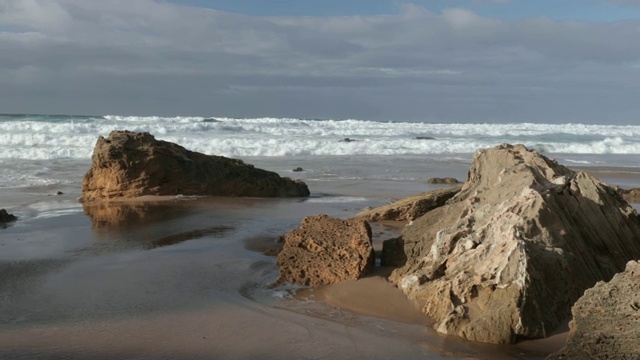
[147, 57]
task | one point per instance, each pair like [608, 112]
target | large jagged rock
[606, 320]
[326, 250]
[410, 208]
[515, 248]
[129, 164]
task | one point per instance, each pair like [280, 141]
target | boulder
[129, 164]
[298, 169]
[326, 250]
[440, 181]
[631, 195]
[410, 208]
[606, 320]
[510, 253]
[5, 217]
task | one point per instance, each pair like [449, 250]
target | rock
[424, 138]
[348, 140]
[5, 217]
[271, 252]
[631, 195]
[447, 180]
[326, 250]
[393, 253]
[410, 208]
[516, 247]
[129, 164]
[298, 169]
[59, 193]
[606, 320]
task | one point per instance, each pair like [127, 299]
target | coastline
[180, 277]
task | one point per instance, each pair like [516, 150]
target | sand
[187, 278]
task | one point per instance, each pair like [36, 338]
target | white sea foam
[38, 137]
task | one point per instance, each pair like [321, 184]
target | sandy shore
[187, 278]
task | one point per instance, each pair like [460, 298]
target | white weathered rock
[509, 254]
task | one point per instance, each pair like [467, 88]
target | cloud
[151, 57]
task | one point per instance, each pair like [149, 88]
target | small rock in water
[59, 193]
[424, 138]
[447, 180]
[5, 217]
[348, 140]
[298, 169]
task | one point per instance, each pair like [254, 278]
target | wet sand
[187, 278]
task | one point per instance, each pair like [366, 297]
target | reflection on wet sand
[146, 225]
[122, 216]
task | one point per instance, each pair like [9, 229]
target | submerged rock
[410, 208]
[606, 320]
[129, 164]
[5, 217]
[515, 248]
[447, 181]
[326, 250]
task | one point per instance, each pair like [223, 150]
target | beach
[187, 277]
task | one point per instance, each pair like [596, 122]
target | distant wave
[62, 136]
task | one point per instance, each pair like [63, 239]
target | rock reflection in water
[122, 216]
[147, 224]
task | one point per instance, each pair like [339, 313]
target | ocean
[185, 278]
[32, 144]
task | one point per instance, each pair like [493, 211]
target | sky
[542, 61]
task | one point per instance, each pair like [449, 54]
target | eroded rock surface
[515, 248]
[326, 250]
[129, 164]
[410, 208]
[606, 320]
[631, 195]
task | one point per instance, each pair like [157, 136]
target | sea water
[44, 150]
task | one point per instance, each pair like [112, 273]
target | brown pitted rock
[326, 250]
[445, 181]
[606, 320]
[410, 208]
[5, 217]
[129, 164]
[516, 247]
